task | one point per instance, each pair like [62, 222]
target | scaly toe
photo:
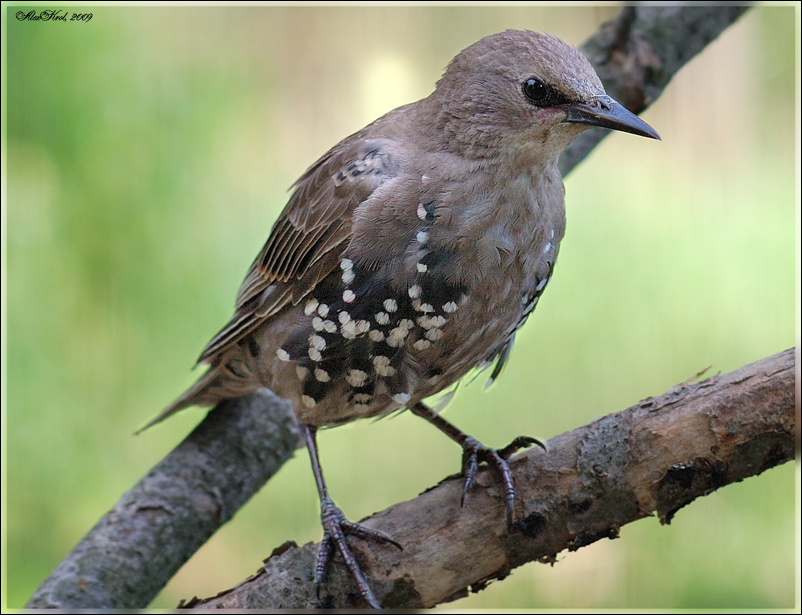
[335, 528]
[475, 452]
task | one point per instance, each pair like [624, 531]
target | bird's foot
[335, 528]
[475, 452]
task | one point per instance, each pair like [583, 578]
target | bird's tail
[217, 384]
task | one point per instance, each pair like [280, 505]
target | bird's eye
[536, 91]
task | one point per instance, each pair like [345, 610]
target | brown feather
[315, 223]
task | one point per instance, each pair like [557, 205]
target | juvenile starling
[412, 252]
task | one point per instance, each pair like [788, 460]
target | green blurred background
[148, 154]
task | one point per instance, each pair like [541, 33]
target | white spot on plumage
[323, 310]
[376, 335]
[421, 211]
[422, 268]
[347, 265]
[422, 237]
[282, 354]
[386, 372]
[382, 366]
[421, 344]
[397, 335]
[382, 318]
[310, 306]
[356, 378]
[314, 354]
[349, 296]
[429, 322]
[362, 398]
[419, 306]
[401, 398]
[343, 317]
[541, 285]
[301, 371]
[348, 330]
[308, 401]
[434, 334]
[396, 339]
[414, 291]
[450, 307]
[317, 342]
[321, 375]
[391, 305]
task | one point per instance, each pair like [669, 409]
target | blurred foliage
[148, 152]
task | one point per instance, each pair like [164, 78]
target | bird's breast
[452, 285]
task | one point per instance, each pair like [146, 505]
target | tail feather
[209, 390]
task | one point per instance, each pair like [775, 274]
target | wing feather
[308, 238]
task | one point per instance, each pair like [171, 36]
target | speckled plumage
[412, 251]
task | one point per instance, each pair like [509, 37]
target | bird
[410, 253]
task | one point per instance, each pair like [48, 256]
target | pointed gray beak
[609, 114]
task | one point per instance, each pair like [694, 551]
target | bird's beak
[609, 114]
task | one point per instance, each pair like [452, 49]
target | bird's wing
[307, 239]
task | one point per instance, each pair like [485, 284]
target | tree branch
[658, 455]
[136, 548]
[131, 553]
[637, 53]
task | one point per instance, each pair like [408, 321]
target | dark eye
[542, 95]
[535, 90]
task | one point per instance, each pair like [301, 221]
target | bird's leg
[474, 451]
[336, 526]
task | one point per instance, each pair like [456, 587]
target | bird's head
[524, 91]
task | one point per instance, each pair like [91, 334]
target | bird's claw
[335, 528]
[475, 452]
